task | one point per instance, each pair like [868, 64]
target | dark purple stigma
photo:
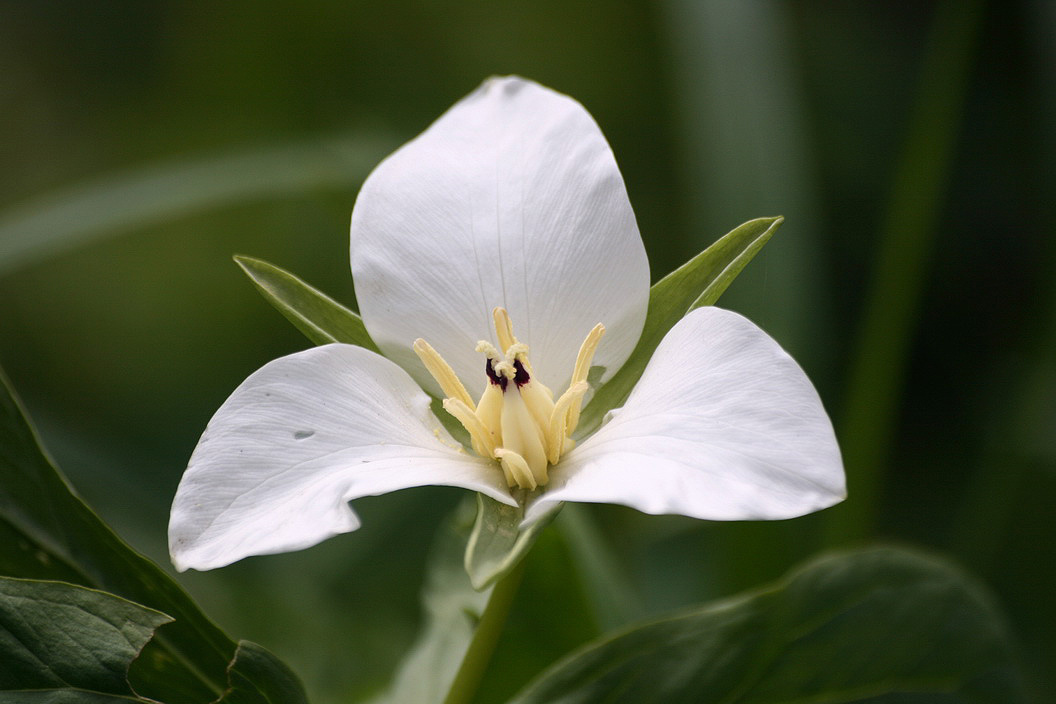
[497, 379]
[520, 376]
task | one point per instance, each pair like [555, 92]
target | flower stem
[475, 662]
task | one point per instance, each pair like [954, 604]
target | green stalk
[475, 663]
[902, 261]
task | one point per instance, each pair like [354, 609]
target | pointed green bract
[322, 319]
[880, 625]
[698, 282]
[497, 543]
[63, 640]
[48, 533]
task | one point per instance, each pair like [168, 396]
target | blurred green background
[909, 145]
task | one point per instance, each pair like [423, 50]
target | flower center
[516, 421]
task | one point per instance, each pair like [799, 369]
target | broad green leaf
[881, 625]
[47, 532]
[258, 677]
[452, 610]
[322, 319]
[497, 543]
[698, 282]
[155, 194]
[254, 676]
[62, 639]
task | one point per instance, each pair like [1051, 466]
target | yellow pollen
[516, 420]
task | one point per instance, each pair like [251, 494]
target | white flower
[496, 257]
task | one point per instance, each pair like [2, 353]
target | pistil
[516, 420]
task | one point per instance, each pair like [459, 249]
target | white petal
[723, 425]
[296, 441]
[512, 198]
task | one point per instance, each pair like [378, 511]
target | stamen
[557, 429]
[580, 372]
[518, 424]
[586, 354]
[508, 475]
[443, 373]
[522, 434]
[481, 437]
[538, 398]
[503, 328]
[489, 410]
[517, 468]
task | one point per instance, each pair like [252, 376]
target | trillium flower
[498, 266]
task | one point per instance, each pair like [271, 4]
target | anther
[517, 468]
[443, 373]
[557, 428]
[586, 354]
[580, 372]
[482, 438]
[503, 328]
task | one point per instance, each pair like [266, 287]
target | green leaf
[258, 677]
[452, 610]
[159, 193]
[882, 626]
[47, 532]
[698, 282]
[58, 638]
[322, 319]
[497, 544]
